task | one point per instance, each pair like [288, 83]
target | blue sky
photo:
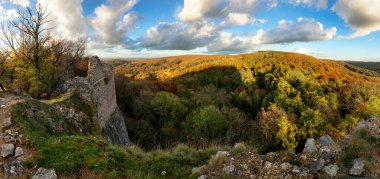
[335, 29]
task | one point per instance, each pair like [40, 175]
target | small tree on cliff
[40, 60]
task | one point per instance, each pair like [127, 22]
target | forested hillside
[271, 100]
[372, 66]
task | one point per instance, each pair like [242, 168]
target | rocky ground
[14, 146]
[320, 158]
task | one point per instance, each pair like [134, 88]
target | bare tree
[64, 56]
[27, 35]
[28, 42]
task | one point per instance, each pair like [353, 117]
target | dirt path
[8, 128]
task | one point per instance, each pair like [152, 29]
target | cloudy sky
[338, 29]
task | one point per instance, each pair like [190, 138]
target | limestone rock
[358, 167]
[310, 146]
[13, 169]
[326, 141]
[7, 150]
[285, 166]
[116, 130]
[7, 122]
[98, 89]
[220, 154]
[331, 170]
[296, 169]
[327, 156]
[374, 127]
[19, 152]
[239, 145]
[198, 169]
[317, 166]
[229, 169]
[244, 166]
[267, 165]
[202, 177]
[361, 125]
[43, 173]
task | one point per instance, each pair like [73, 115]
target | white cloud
[302, 30]
[7, 14]
[361, 15]
[195, 10]
[66, 18]
[178, 36]
[318, 4]
[187, 36]
[111, 22]
[227, 42]
[302, 50]
[228, 12]
[239, 19]
[23, 3]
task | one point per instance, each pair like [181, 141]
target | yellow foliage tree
[287, 133]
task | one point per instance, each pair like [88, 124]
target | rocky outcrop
[372, 126]
[98, 89]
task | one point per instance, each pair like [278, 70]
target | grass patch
[68, 152]
[364, 146]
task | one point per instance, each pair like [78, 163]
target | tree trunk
[2, 87]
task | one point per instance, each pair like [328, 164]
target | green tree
[238, 125]
[312, 123]
[169, 113]
[206, 125]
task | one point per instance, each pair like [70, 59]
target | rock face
[109, 116]
[115, 129]
[98, 88]
[101, 78]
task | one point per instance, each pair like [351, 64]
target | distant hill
[170, 67]
[372, 66]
